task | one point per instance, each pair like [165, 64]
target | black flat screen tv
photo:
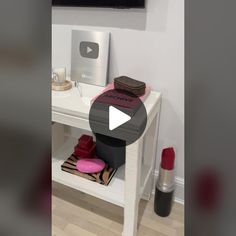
[101, 3]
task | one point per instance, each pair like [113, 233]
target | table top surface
[77, 101]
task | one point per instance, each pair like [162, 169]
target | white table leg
[132, 187]
[150, 148]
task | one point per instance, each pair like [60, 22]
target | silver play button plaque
[89, 56]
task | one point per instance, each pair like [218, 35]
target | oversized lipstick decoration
[165, 184]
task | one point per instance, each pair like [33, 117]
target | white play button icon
[117, 118]
[89, 49]
[115, 115]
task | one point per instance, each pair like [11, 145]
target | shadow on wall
[113, 63]
[152, 18]
[105, 17]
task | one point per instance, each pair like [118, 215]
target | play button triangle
[117, 118]
[89, 50]
[113, 118]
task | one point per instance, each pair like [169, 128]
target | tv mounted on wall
[101, 3]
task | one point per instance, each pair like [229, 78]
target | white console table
[132, 181]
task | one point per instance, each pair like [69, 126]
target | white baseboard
[179, 190]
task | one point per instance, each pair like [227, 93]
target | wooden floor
[78, 214]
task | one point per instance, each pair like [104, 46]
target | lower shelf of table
[113, 193]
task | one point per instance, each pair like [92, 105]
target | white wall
[147, 45]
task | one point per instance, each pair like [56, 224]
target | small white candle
[59, 75]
